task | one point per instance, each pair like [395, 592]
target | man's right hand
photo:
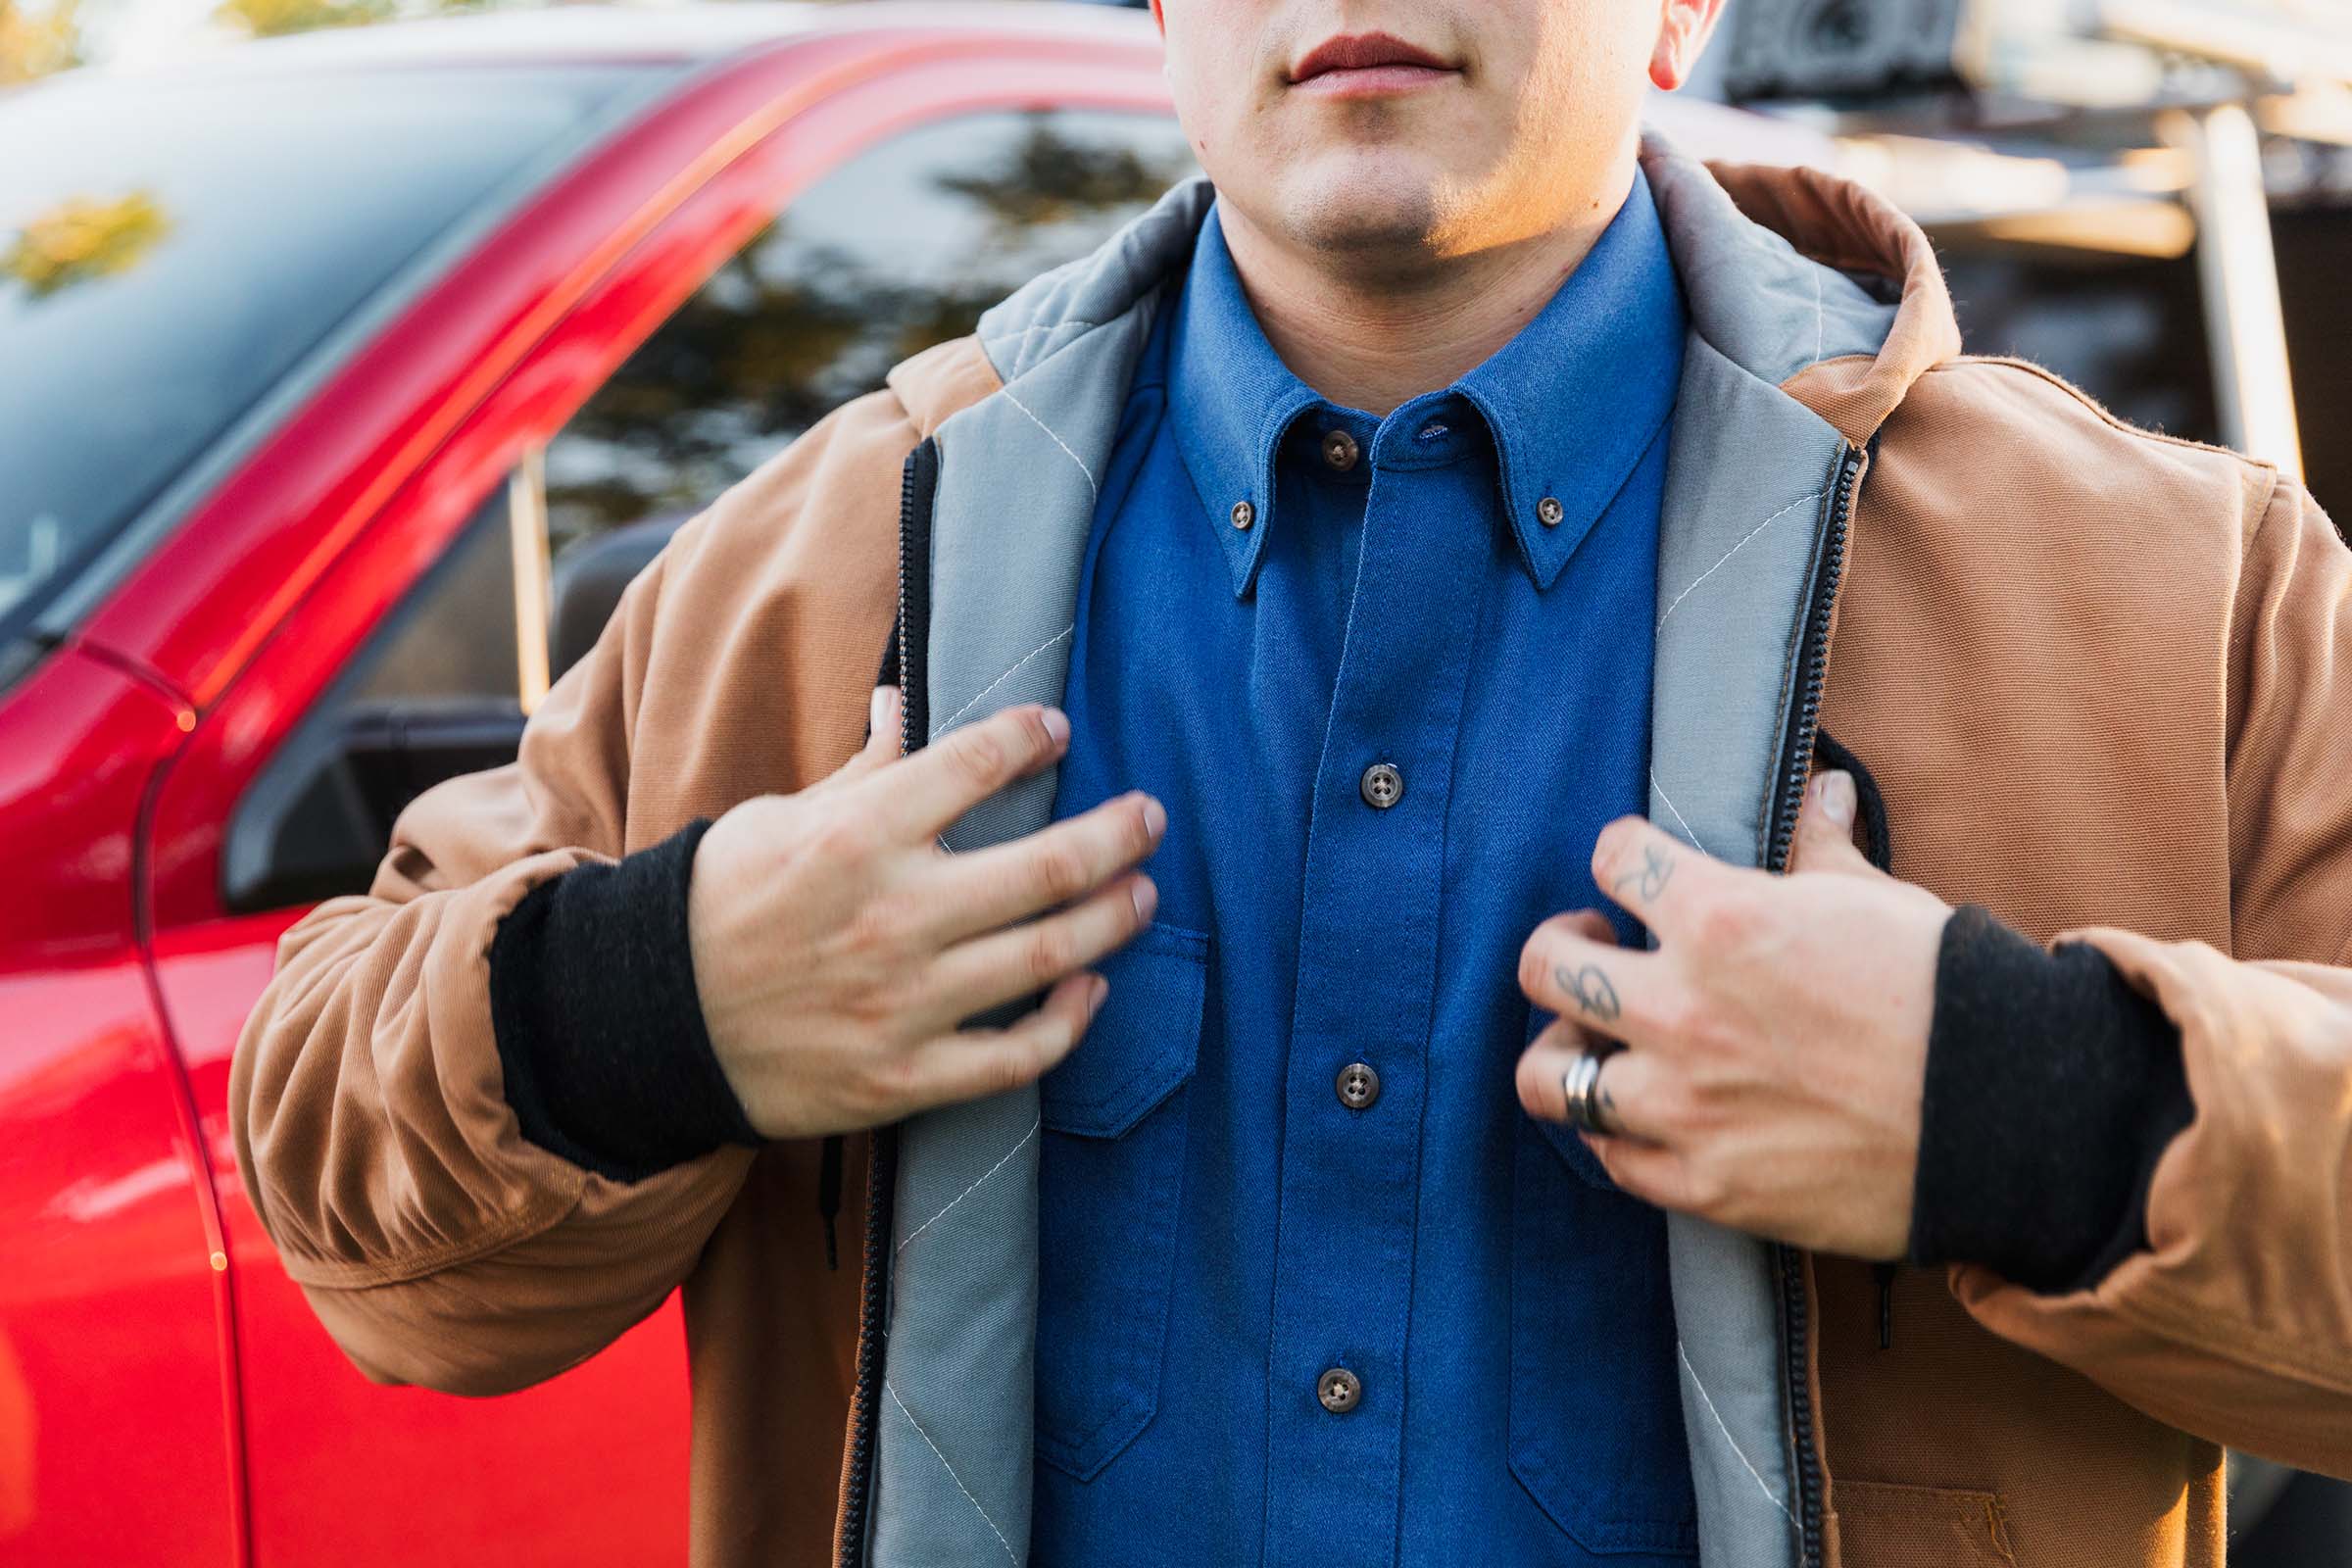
[839, 947]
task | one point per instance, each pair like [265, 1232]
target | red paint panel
[112, 1443]
[79, 739]
[587, 1469]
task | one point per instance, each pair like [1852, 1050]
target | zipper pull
[1885, 1274]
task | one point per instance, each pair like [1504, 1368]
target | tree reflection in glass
[901, 248]
[83, 237]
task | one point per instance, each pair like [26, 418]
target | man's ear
[1683, 28]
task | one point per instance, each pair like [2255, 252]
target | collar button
[1244, 514]
[1549, 511]
[1339, 450]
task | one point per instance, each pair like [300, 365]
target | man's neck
[1375, 336]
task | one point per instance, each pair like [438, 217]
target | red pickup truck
[344, 383]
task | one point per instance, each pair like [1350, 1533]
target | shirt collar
[1572, 402]
[1232, 397]
[1578, 396]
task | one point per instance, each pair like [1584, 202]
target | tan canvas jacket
[2103, 678]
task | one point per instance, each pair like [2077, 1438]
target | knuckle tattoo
[1589, 988]
[1645, 882]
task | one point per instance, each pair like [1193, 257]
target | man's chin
[1366, 202]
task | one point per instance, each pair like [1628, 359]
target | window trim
[527, 537]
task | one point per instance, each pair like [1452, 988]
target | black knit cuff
[2052, 1087]
[600, 1030]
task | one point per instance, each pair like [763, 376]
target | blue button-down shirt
[1464, 591]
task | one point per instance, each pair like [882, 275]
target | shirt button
[1243, 513]
[1382, 785]
[1358, 1086]
[1340, 1390]
[1550, 511]
[1339, 450]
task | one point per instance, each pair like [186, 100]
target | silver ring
[1581, 1083]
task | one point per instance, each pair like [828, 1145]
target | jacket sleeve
[437, 1245]
[2235, 1322]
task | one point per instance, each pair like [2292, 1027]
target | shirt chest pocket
[1110, 1177]
[1595, 1398]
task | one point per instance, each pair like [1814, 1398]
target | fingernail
[1058, 725]
[1095, 998]
[1146, 894]
[1156, 816]
[1837, 797]
[878, 713]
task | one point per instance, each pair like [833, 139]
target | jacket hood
[1837, 225]
[943, 379]
[1784, 269]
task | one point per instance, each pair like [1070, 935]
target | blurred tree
[268, 18]
[34, 45]
[816, 307]
[82, 239]
[1049, 179]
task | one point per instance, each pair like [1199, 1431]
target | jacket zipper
[1796, 761]
[918, 487]
[1796, 765]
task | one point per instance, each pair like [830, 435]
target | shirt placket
[1366, 984]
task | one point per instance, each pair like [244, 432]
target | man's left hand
[1776, 1039]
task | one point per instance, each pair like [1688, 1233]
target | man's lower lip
[1367, 82]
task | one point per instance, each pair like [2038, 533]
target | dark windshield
[171, 250]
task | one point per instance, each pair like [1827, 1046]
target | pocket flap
[1145, 1042]
[1882, 1522]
